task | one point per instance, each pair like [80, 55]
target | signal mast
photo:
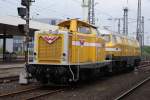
[88, 11]
[125, 19]
[85, 7]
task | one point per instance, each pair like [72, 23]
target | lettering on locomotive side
[113, 49]
[78, 43]
[82, 41]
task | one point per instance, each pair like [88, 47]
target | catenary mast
[125, 20]
[85, 6]
[89, 11]
[138, 21]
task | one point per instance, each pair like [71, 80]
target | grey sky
[72, 9]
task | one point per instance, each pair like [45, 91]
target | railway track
[51, 92]
[134, 88]
[30, 93]
[144, 63]
[9, 79]
[44, 94]
[18, 92]
[10, 68]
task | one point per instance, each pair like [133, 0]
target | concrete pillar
[4, 46]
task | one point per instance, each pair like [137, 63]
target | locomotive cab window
[64, 25]
[84, 29]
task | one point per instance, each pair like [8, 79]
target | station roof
[9, 25]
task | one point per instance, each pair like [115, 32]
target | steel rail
[18, 92]
[131, 90]
[10, 68]
[145, 65]
[44, 94]
[8, 79]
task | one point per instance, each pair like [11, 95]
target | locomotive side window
[114, 38]
[130, 42]
[119, 39]
[106, 37]
[83, 29]
[94, 31]
[65, 28]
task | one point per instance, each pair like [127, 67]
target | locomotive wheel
[43, 79]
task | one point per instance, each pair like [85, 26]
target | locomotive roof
[67, 22]
[107, 32]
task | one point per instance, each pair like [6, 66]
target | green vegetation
[19, 53]
[1, 50]
[146, 51]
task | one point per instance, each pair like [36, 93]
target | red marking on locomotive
[50, 39]
[82, 42]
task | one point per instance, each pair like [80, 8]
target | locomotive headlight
[35, 55]
[64, 56]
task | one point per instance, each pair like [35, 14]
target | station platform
[7, 66]
[7, 70]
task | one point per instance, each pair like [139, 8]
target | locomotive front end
[49, 48]
[50, 57]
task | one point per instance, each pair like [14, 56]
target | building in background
[1, 43]
[51, 21]
[18, 41]
[18, 44]
[9, 45]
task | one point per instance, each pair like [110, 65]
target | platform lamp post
[24, 13]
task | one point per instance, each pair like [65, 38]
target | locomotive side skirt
[64, 74]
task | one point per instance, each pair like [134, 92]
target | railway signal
[25, 2]
[24, 12]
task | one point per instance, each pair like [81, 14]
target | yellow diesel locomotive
[124, 52]
[74, 51]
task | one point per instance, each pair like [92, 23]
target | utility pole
[91, 13]
[142, 35]
[139, 25]
[25, 14]
[27, 31]
[85, 6]
[125, 21]
[143, 29]
[119, 25]
[138, 21]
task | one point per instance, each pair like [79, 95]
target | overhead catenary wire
[49, 9]
[54, 11]
[7, 5]
[76, 1]
[36, 9]
[8, 1]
